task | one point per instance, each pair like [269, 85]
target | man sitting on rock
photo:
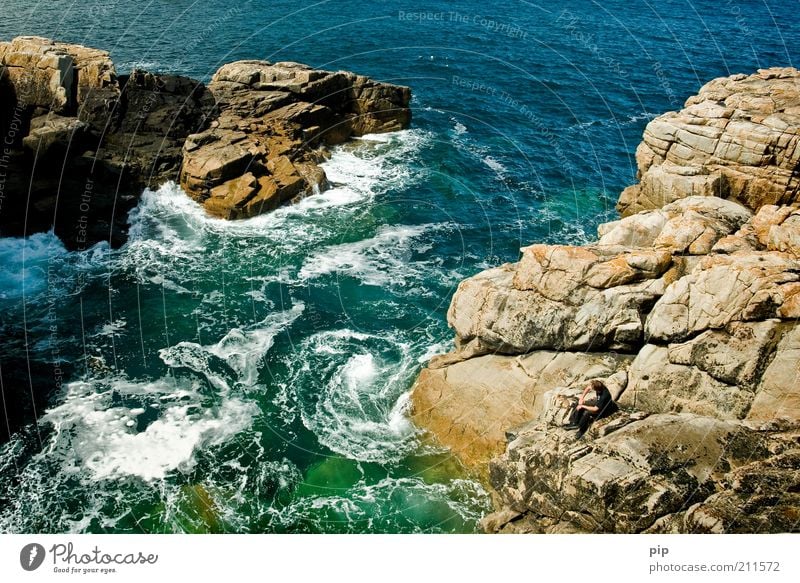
[586, 412]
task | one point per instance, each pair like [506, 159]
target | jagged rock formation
[590, 302]
[648, 473]
[84, 141]
[689, 310]
[81, 142]
[260, 151]
[736, 139]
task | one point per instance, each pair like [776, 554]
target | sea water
[253, 376]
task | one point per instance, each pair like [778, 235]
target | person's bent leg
[584, 421]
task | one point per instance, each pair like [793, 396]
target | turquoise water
[252, 376]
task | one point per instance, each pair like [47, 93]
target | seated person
[585, 413]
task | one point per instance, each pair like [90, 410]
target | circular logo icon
[31, 556]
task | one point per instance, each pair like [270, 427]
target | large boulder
[690, 225]
[54, 76]
[41, 73]
[261, 150]
[470, 405]
[747, 370]
[738, 138]
[773, 228]
[659, 385]
[743, 286]
[562, 298]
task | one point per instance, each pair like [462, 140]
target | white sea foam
[244, 350]
[364, 172]
[115, 328]
[381, 138]
[384, 260]
[24, 264]
[239, 352]
[357, 174]
[349, 389]
[92, 432]
[172, 239]
[496, 166]
[97, 424]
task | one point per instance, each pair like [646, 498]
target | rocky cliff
[687, 306]
[80, 143]
[735, 139]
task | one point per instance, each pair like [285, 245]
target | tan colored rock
[786, 237]
[559, 404]
[560, 297]
[220, 159]
[774, 228]
[469, 406]
[487, 309]
[667, 182]
[723, 289]
[41, 73]
[779, 230]
[639, 230]
[620, 482]
[377, 107]
[94, 68]
[690, 225]
[227, 198]
[273, 117]
[492, 523]
[559, 271]
[727, 374]
[657, 385]
[699, 224]
[739, 139]
[47, 74]
[778, 395]
[736, 355]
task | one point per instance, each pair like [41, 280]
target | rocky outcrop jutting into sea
[80, 142]
[687, 307]
[735, 139]
[262, 149]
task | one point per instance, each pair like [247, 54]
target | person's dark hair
[597, 386]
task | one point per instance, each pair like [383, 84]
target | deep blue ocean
[252, 376]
